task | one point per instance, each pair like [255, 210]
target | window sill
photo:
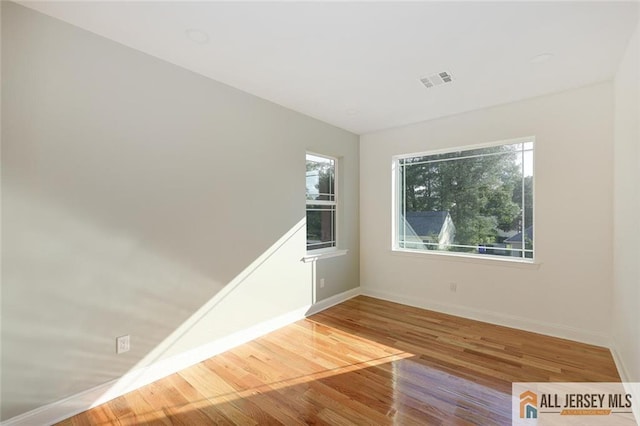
[312, 257]
[466, 258]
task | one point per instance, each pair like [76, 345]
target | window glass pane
[477, 201]
[320, 178]
[320, 226]
[321, 202]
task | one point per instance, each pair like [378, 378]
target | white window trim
[320, 254]
[475, 258]
[485, 259]
[327, 252]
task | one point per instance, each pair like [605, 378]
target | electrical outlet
[453, 287]
[123, 344]
[321, 282]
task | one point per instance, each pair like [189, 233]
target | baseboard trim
[85, 400]
[67, 407]
[521, 323]
[333, 300]
[622, 369]
[625, 376]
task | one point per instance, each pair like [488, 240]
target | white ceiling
[358, 65]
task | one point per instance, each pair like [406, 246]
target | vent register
[436, 79]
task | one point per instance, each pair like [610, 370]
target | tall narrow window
[477, 201]
[321, 202]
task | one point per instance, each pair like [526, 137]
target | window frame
[312, 253]
[396, 190]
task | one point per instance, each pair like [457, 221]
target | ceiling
[358, 65]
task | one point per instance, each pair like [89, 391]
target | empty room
[341, 213]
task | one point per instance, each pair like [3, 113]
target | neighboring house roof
[426, 223]
[518, 237]
[506, 234]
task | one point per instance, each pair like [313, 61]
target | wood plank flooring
[364, 362]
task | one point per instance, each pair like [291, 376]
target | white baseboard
[75, 404]
[625, 376]
[630, 386]
[133, 380]
[333, 300]
[512, 321]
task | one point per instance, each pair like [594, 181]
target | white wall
[140, 198]
[569, 292]
[626, 290]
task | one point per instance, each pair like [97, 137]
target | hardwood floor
[365, 361]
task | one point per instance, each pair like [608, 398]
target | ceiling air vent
[436, 79]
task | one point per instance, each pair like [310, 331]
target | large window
[477, 201]
[321, 202]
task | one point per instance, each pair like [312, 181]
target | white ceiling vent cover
[436, 79]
